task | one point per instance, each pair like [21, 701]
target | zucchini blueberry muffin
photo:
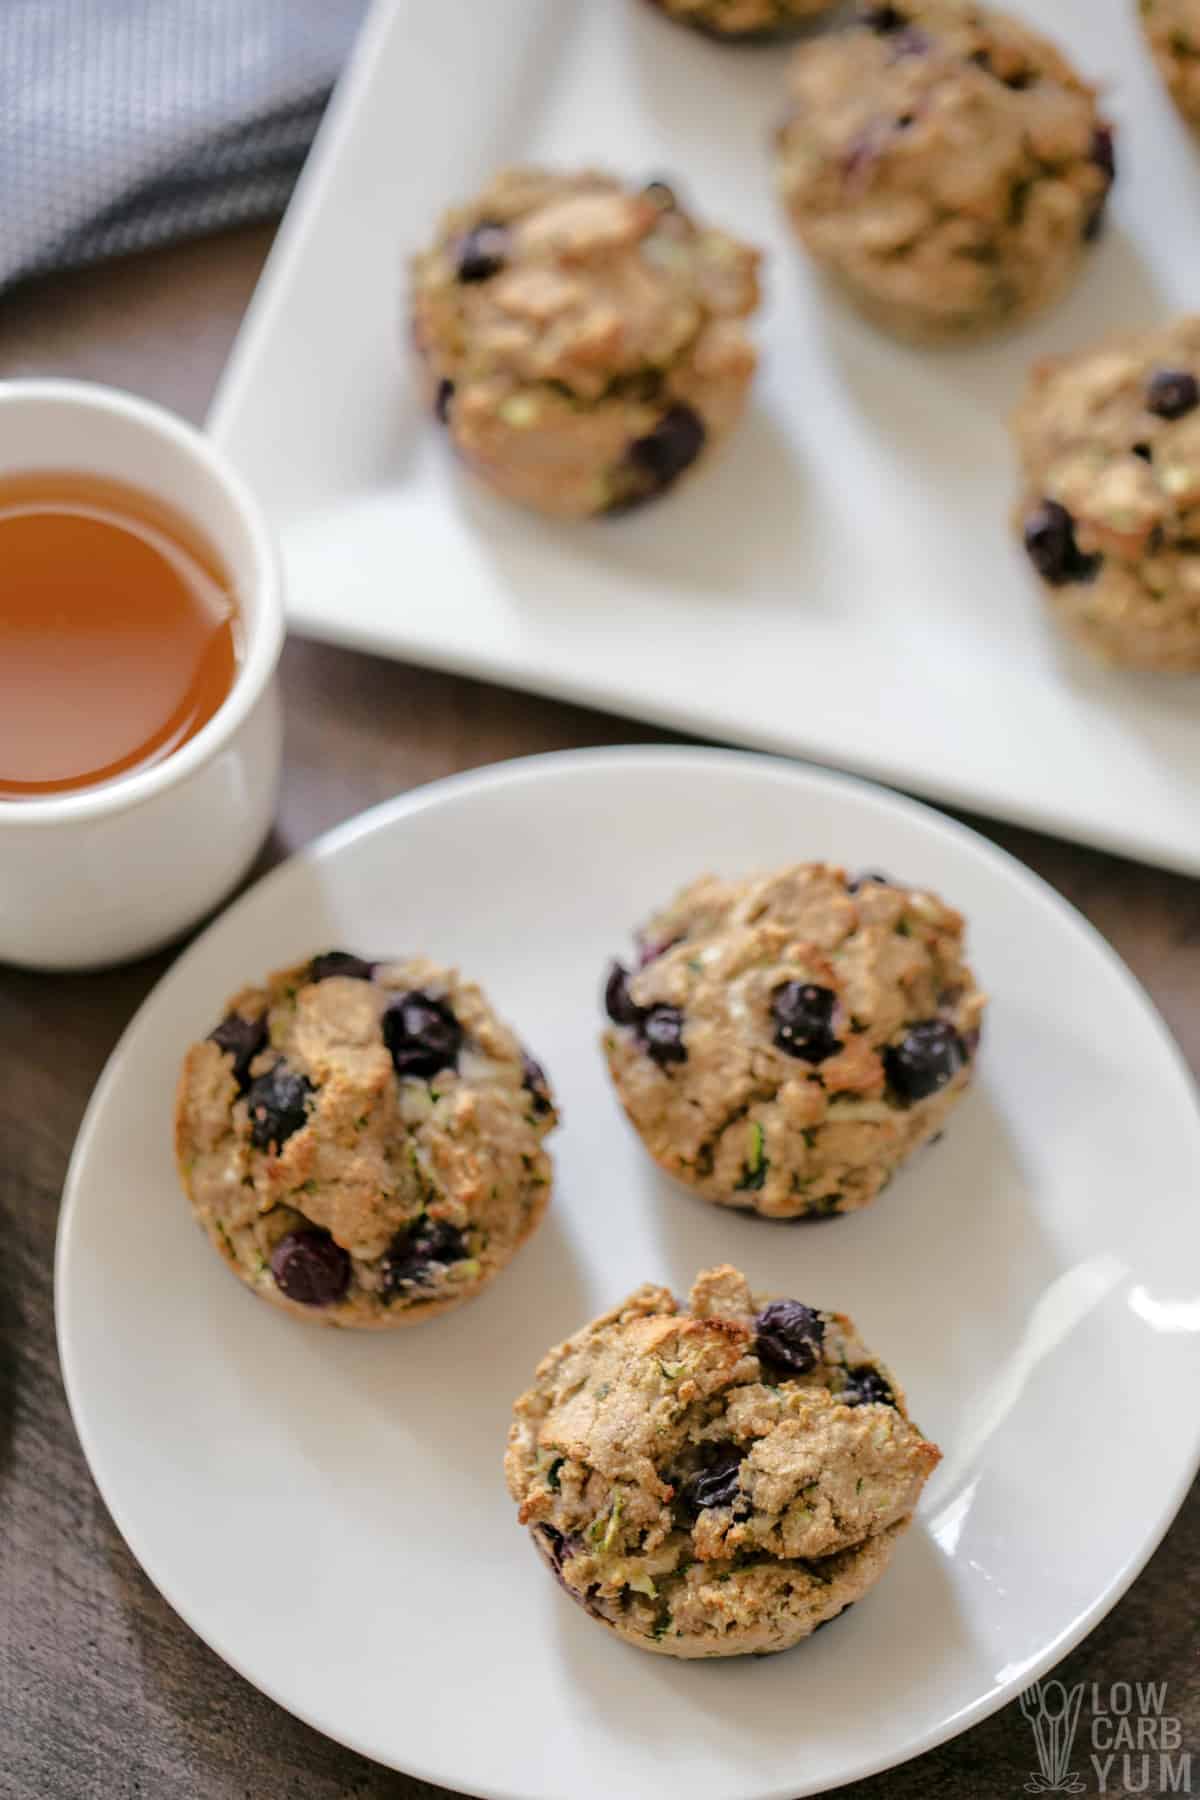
[583, 341]
[787, 1040]
[746, 20]
[363, 1141]
[715, 1479]
[945, 164]
[1110, 443]
[1172, 28]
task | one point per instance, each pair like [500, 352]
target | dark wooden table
[104, 1694]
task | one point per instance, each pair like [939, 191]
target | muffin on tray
[582, 340]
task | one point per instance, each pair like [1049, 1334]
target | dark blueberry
[718, 1483]
[671, 447]
[339, 962]
[557, 1547]
[619, 1003]
[661, 1030]
[866, 875]
[413, 1253]
[423, 1035]
[533, 1078]
[929, 1056]
[442, 399]
[1102, 154]
[662, 194]
[277, 1102]
[1170, 393]
[1144, 451]
[884, 18]
[482, 253]
[866, 1387]
[309, 1267]
[803, 1015]
[1051, 547]
[789, 1335]
[242, 1039]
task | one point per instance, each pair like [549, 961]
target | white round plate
[328, 1511]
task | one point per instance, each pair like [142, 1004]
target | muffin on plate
[1172, 29]
[787, 1040]
[583, 340]
[945, 165]
[362, 1141]
[715, 1479]
[745, 21]
[1109, 440]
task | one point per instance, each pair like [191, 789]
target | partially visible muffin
[1172, 29]
[362, 1141]
[787, 1040]
[719, 1479]
[1109, 440]
[582, 340]
[945, 164]
[744, 20]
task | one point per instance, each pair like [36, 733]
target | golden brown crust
[625, 1418]
[947, 172]
[374, 1160]
[1090, 440]
[607, 309]
[1172, 29]
[741, 1121]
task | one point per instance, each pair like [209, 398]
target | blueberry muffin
[582, 341]
[362, 1141]
[719, 1479]
[1109, 440]
[744, 21]
[785, 1041]
[945, 165]
[1172, 29]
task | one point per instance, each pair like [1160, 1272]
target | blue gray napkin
[128, 123]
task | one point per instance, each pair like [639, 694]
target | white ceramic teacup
[102, 874]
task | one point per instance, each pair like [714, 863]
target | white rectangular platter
[842, 584]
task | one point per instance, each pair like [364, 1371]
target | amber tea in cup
[118, 633]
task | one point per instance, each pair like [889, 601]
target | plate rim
[500, 774]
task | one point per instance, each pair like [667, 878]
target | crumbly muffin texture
[787, 1040]
[362, 1141]
[945, 164]
[1172, 29]
[715, 1479]
[582, 341]
[1109, 441]
[745, 20]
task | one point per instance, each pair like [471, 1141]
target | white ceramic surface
[329, 1513]
[842, 584]
[114, 870]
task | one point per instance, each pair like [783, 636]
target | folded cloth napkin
[127, 123]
